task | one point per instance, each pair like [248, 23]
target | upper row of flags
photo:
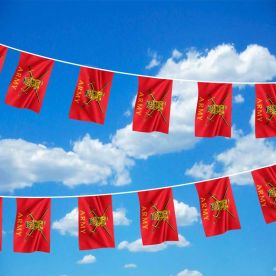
[153, 102]
[157, 214]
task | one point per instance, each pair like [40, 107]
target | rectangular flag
[29, 82]
[3, 53]
[96, 228]
[1, 229]
[157, 216]
[153, 105]
[217, 206]
[32, 225]
[214, 110]
[265, 183]
[91, 95]
[265, 110]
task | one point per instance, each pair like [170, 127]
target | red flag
[265, 120]
[265, 182]
[214, 110]
[3, 53]
[32, 225]
[91, 95]
[153, 105]
[96, 228]
[29, 82]
[157, 217]
[217, 206]
[1, 206]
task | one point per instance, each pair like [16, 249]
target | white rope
[143, 190]
[138, 75]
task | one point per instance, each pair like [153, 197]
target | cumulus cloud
[130, 266]
[23, 163]
[155, 59]
[87, 259]
[187, 272]
[247, 153]
[68, 225]
[185, 215]
[137, 246]
[223, 63]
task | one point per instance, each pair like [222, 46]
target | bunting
[28, 85]
[32, 225]
[157, 217]
[217, 207]
[265, 183]
[214, 110]
[96, 229]
[91, 95]
[3, 53]
[153, 105]
[265, 110]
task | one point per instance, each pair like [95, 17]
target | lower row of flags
[213, 115]
[157, 215]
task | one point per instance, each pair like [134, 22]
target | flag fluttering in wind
[3, 53]
[217, 206]
[32, 225]
[157, 216]
[29, 82]
[214, 110]
[91, 95]
[265, 183]
[265, 110]
[153, 105]
[96, 228]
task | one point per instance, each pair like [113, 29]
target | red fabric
[217, 218]
[265, 183]
[96, 228]
[91, 95]
[1, 230]
[32, 225]
[265, 110]
[3, 53]
[153, 104]
[157, 229]
[29, 82]
[214, 110]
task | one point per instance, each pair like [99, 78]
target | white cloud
[274, 269]
[247, 153]
[130, 266]
[87, 259]
[223, 63]
[187, 272]
[23, 163]
[119, 216]
[68, 225]
[155, 60]
[176, 54]
[238, 98]
[137, 246]
[185, 215]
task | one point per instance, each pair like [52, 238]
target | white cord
[137, 75]
[143, 190]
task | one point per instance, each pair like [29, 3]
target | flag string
[134, 74]
[142, 190]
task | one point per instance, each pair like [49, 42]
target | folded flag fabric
[153, 105]
[217, 206]
[91, 95]
[29, 82]
[3, 53]
[214, 110]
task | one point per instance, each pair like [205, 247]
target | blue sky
[48, 154]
